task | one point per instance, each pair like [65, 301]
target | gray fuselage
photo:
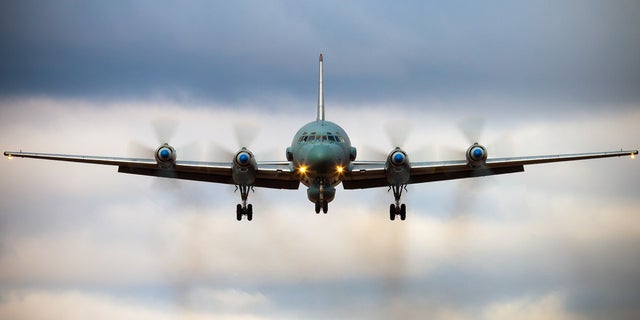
[321, 152]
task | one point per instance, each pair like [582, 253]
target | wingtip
[321, 57]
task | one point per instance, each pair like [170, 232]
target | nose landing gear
[321, 204]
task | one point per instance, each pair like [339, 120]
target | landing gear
[244, 209]
[322, 205]
[247, 211]
[397, 209]
[322, 202]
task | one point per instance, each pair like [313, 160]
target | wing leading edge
[371, 174]
[277, 175]
[280, 175]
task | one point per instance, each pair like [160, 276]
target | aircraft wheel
[249, 212]
[392, 212]
[239, 212]
[318, 205]
[325, 207]
[403, 212]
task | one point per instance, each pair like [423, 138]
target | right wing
[372, 174]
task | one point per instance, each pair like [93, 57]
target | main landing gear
[244, 209]
[398, 209]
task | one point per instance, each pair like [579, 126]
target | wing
[372, 174]
[277, 175]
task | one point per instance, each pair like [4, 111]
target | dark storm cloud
[577, 51]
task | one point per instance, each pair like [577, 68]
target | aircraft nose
[320, 159]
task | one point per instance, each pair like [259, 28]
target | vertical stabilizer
[320, 95]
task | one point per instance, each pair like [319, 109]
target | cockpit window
[314, 138]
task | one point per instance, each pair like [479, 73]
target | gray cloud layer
[582, 51]
[556, 242]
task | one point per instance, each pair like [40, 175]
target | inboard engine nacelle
[398, 167]
[244, 168]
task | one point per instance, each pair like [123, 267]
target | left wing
[372, 174]
[278, 175]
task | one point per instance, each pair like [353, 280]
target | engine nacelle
[244, 168]
[398, 167]
[476, 155]
[166, 156]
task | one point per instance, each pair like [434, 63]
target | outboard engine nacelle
[398, 167]
[476, 155]
[166, 156]
[244, 168]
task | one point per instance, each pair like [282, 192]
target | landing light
[340, 169]
[302, 169]
[9, 156]
[633, 156]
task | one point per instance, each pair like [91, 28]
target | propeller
[245, 134]
[472, 129]
[164, 129]
[466, 193]
[397, 133]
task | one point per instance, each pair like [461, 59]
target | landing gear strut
[398, 209]
[322, 203]
[244, 209]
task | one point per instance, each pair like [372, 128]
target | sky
[558, 241]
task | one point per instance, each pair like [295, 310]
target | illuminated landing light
[302, 169]
[9, 156]
[340, 169]
[633, 156]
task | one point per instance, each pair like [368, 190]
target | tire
[403, 212]
[239, 212]
[318, 207]
[249, 212]
[392, 212]
[325, 207]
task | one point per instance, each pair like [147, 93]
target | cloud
[551, 241]
[551, 306]
[81, 241]
[545, 51]
[74, 304]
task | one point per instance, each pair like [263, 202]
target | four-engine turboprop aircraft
[321, 157]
